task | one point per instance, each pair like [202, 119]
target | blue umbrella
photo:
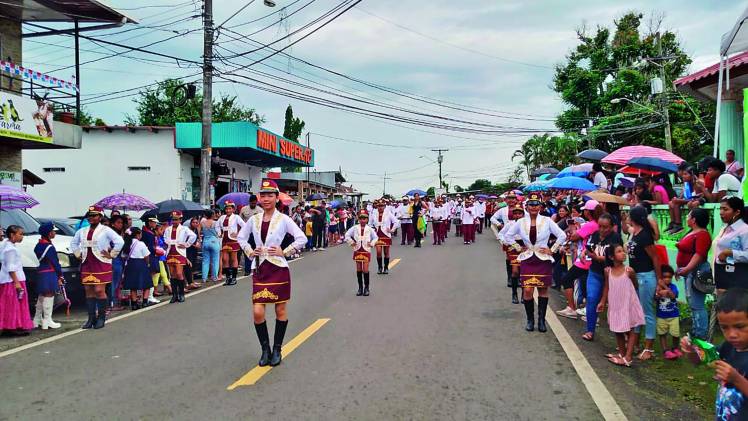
[315, 196]
[581, 170]
[414, 191]
[481, 196]
[652, 164]
[571, 183]
[537, 186]
[337, 203]
[592, 155]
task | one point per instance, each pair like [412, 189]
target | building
[28, 119]
[158, 163]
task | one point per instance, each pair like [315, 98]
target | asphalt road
[438, 339]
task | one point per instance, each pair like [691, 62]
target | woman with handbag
[694, 268]
[731, 247]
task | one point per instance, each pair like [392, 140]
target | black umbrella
[592, 155]
[316, 196]
[544, 170]
[164, 209]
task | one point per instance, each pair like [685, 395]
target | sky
[495, 55]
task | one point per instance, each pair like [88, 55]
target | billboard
[25, 118]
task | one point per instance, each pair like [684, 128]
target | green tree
[431, 191]
[609, 64]
[165, 105]
[292, 130]
[547, 151]
[459, 189]
[480, 184]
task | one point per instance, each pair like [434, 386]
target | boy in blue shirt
[668, 315]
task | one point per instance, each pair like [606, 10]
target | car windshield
[20, 218]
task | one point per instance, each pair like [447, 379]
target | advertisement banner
[25, 118]
[11, 178]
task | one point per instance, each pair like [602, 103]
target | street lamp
[665, 116]
[269, 3]
[619, 100]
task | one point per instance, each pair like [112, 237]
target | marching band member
[271, 282]
[230, 224]
[536, 259]
[438, 215]
[361, 238]
[512, 263]
[384, 222]
[177, 238]
[500, 218]
[480, 213]
[405, 215]
[95, 246]
[457, 217]
[468, 222]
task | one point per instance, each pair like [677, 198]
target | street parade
[358, 210]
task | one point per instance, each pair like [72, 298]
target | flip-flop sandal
[612, 355]
[620, 361]
[589, 337]
[651, 354]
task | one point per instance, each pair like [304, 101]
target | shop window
[54, 169]
[138, 168]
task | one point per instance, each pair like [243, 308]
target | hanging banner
[26, 73]
[25, 119]
[11, 178]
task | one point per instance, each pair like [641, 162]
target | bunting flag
[26, 73]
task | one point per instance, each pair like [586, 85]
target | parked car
[68, 261]
[63, 226]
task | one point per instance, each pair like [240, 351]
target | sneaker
[321, 249]
[314, 248]
[567, 312]
[582, 311]
[153, 300]
[670, 355]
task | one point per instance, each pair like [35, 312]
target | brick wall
[10, 44]
[10, 158]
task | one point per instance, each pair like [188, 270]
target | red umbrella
[637, 171]
[624, 155]
[285, 199]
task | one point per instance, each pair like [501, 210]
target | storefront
[245, 143]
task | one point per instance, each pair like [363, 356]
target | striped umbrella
[127, 201]
[15, 198]
[625, 154]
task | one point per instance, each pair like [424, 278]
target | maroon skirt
[383, 240]
[94, 271]
[535, 273]
[361, 256]
[230, 245]
[174, 258]
[271, 284]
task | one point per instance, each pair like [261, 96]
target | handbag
[703, 281]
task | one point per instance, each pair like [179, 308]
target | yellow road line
[393, 263]
[256, 373]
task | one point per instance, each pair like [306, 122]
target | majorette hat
[176, 215]
[518, 208]
[269, 186]
[228, 203]
[534, 199]
[95, 210]
[363, 214]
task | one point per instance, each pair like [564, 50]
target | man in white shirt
[406, 221]
[480, 207]
[726, 184]
[599, 178]
[732, 166]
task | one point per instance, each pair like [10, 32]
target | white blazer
[232, 230]
[185, 238]
[11, 259]
[280, 225]
[388, 224]
[545, 227]
[364, 241]
[468, 215]
[100, 242]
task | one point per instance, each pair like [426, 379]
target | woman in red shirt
[692, 258]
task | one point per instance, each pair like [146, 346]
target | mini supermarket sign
[283, 147]
[25, 119]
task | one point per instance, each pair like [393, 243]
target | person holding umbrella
[95, 246]
[416, 208]
[230, 224]
[271, 282]
[177, 238]
[361, 238]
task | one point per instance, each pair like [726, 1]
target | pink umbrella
[624, 155]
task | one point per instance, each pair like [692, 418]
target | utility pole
[384, 187]
[308, 136]
[664, 99]
[440, 159]
[206, 144]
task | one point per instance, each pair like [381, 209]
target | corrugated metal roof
[66, 11]
[735, 62]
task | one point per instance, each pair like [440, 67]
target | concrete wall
[100, 168]
[10, 46]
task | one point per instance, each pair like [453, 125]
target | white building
[138, 160]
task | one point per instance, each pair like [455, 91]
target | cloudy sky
[495, 56]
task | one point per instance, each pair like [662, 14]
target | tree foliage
[292, 130]
[480, 184]
[547, 151]
[610, 64]
[164, 105]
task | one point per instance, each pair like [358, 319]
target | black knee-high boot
[542, 307]
[91, 307]
[366, 284]
[386, 265]
[262, 335]
[515, 284]
[101, 305]
[379, 265]
[233, 272]
[227, 276]
[508, 274]
[530, 311]
[174, 291]
[182, 285]
[280, 332]
[360, 279]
